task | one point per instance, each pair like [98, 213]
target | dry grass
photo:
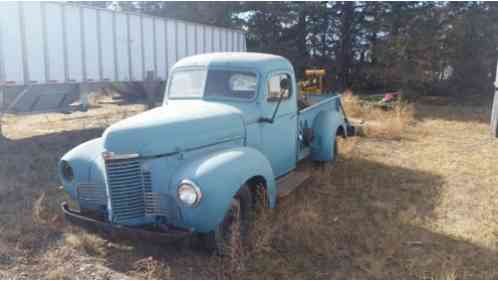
[419, 205]
[150, 268]
[381, 123]
[58, 273]
[91, 244]
[412, 200]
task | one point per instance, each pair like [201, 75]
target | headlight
[66, 171]
[189, 194]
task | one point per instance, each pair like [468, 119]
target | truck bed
[315, 104]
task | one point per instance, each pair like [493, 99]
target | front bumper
[156, 233]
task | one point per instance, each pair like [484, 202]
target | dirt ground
[418, 201]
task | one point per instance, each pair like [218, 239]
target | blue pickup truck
[231, 129]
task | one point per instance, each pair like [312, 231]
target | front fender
[325, 126]
[84, 159]
[219, 175]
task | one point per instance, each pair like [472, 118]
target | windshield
[232, 84]
[187, 83]
[219, 83]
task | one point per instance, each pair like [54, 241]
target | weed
[380, 123]
[89, 243]
[150, 268]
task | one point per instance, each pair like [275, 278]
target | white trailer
[46, 46]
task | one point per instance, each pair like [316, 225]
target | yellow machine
[313, 82]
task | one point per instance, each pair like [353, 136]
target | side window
[276, 88]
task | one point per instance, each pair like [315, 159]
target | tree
[422, 47]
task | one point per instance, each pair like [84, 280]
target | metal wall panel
[90, 45]
[148, 43]
[35, 56]
[191, 40]
[161, 49]
[171, 44]
[209, 39]
[233, 43]
[216, 40]
[10, 42]
[223, 40]
[74, 44]
[226, 40]
[136, 48]
[107, 45]
[236, 41]
[54, 42]
[241, 42]
[122, 48]
[199, 34]
[181, 44]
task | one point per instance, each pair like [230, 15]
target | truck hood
[180, 126]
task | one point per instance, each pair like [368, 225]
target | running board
[290, 182]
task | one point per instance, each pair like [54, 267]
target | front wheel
[229, 239]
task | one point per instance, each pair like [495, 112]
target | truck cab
[229, 129]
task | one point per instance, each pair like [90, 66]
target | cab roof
[259, 61]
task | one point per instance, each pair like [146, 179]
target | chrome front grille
[126, 188]
[91, 196]
[158, 204]
[147, 181]
[131, 196]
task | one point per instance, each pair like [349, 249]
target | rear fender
[325, 126]
[219, 176]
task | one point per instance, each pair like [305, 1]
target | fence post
[494, 113]
[2, 108]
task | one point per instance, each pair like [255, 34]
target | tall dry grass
[150, 268]
[378, 122]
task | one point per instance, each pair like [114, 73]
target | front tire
[230, 236]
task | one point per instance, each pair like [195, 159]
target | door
[279, 138]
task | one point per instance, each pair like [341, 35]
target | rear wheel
[334, 151]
